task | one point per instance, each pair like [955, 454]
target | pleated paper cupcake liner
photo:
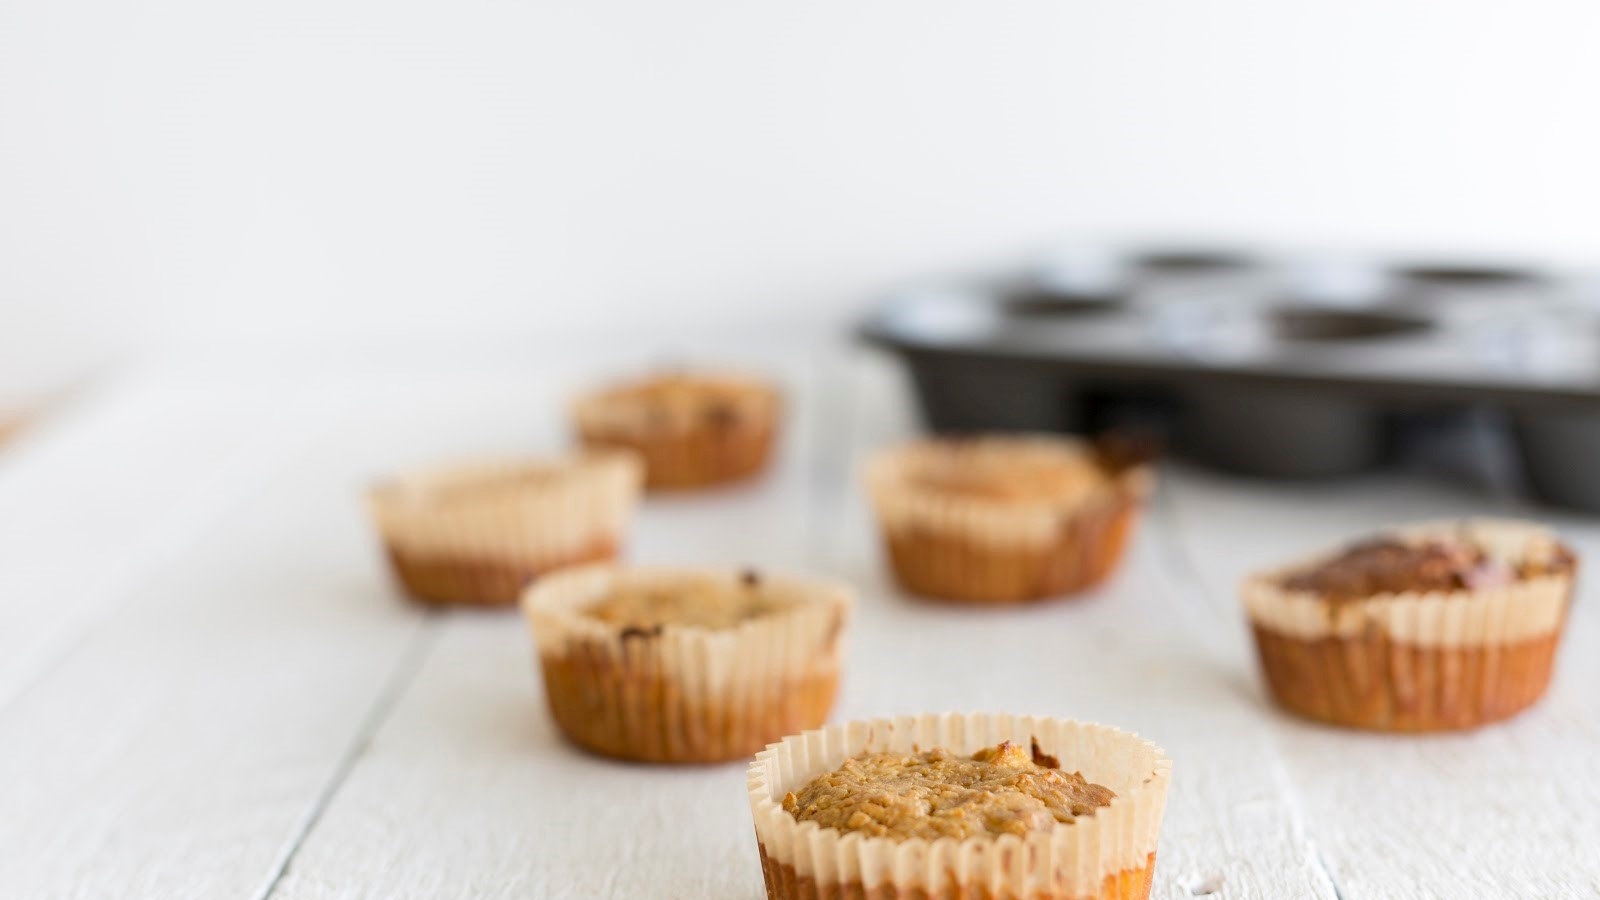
[478, 534]
[1086, 551]
[687, 453]
[1107, 856]
[1378, 683]
[958, 548]
[1415, 661]
[679, 693]
[700, 457]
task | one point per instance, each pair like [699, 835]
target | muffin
[478, 534]
[939, 807]
[692, 430]
[1005, 519]
[1430, 627]
[664, 665]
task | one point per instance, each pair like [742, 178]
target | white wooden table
[210, 689]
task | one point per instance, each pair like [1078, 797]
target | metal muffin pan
[1225, 355]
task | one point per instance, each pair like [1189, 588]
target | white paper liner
[1503, 614]
[742, 671]
[788, 640]
[1067, 861]
[576, 501]
[900, 503]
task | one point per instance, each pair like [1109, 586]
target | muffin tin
[1272, 366]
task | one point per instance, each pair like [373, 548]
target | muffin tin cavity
[1466, 276]
[1190, 261]
[1311, 324]
[1044, 303]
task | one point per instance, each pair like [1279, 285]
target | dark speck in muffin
[634, 631]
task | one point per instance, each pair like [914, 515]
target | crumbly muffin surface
[493, 484]
[1388, 565]
[931, 794]
[981, 471]
[702, 603]
[493, 481]
[678, 401]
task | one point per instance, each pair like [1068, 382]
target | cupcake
[1004, 519]
[693, 430]
[478, 534]
[685, 665]
[1430, 627]
[945, 806]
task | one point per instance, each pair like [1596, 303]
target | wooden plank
[1504, 812]
[177, 745]
[182, 746]
[108, 490]
[467, 791]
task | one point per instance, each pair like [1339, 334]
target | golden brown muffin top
[935, 793]
[1389, 565]
[982, 469]
[701, 603]
[489, 481]
[494, 483]
[680, 400]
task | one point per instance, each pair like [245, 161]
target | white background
[328, 175]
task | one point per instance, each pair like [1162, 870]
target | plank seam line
[394, 688]
[1182, 560]
[815, 475]
[157, 553]
[833, 374]
[1322, 863]
[1178, 556]
[1280, 774]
